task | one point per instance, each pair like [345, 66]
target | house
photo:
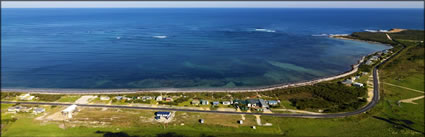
[158, 98]
[201, 121]
[195, 102]
[168, 99]
[146, 98]
[161, 114]
[256, 103]
[238, 101]
[369, 62]
[104, 98]
[272, 102]
[204, 102]
[13, 109]
[215, 103]
[38, 110]
[358, 84]
[374, 58]
[119, 97]
[347, 82]
[387, 51]
[69, 110]
[226, 103]
[18, 109]
[25, 97]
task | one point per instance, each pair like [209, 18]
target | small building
[347, 82]
[272, 102]
[357, 84]
[195, 102]
[256, 103]
[38, 110]
[16, 109]
[238, 101]
[201, 121]
[240, 122]
[13, 109]
[226, 102]
[25, 97]
[386, 51]
[158, 98]
[369, 62]
[204, 102]
[168, 99]
[69, 110]
[374, 58]
[215, 103]
[161, 114]
[147, 98]
[119, 97]
[105, 98]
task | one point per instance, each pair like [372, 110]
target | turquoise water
[184, 48]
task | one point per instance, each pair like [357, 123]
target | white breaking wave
[369, 30]
[160, 37]
[265, 30]
[381, 30]
[321, 35]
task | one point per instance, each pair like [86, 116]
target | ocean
[190, 48]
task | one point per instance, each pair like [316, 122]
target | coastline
[354, 69]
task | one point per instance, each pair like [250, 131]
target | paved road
[374, 101]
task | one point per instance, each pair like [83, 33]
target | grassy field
[68, 98]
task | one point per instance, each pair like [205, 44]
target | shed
[204, 102]
[226, 102]
[272, 102]
[195, 102]
[38, 110]
[215, 103]
[162, 114]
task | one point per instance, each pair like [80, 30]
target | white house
[226, 102]
[158, 98]
[69, 110]
[272, 102]
[25, 97]
[38, 110]
[357, 84]
[104, 98]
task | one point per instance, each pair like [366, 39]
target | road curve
[371, 104]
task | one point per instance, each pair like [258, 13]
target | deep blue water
[184, 48]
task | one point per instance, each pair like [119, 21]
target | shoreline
[354, 69]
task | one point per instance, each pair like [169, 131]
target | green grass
[415, 81]
[68, 98]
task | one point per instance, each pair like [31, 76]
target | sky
[211, 4]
